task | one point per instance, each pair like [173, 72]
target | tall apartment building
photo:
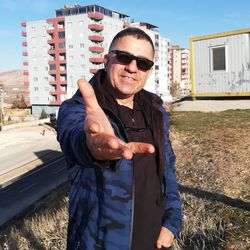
[180, 68]
[72, 45]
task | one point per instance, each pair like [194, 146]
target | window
[52, 67]
[36, 88]
[62, 45]
[35, 79]
[219, 58]
[81, 45]
[61, 35]
[71, 46]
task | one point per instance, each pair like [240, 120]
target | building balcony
[95, 16]
[52, 82]
[50, 30]
[24, 33]
[96, 60]
[96, 49]
[96, 27]
[51, 41]
[23, 24]
[62, 71]
[53, 92]
[52, 72]
[96, 38]
[25, 64]
[52, 61]
[62, 50]
[55, 103]
[24, 44]
[51, 51]
[62, 61]
[25, 53]
[25, 73]
[93, 71]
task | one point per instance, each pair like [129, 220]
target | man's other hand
[165, 239]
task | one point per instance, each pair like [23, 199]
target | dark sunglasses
[126, 58]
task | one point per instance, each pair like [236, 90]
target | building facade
[72, 45]
[180, 68]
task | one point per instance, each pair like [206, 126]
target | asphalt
[23, 149]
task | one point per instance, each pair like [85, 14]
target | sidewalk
[211, 105]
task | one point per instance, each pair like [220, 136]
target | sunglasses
[126, 58]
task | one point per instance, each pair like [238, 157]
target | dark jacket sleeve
[70, 131]
[173, 213]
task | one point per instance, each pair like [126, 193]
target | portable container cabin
[220, 64]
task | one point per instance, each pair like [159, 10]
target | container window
[219, 58]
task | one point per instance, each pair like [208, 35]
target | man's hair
[134, 32]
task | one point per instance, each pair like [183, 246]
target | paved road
[31, 187]
[22, 145]
[211, 105]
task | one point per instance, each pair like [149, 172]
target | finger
[141, 148]
[91, 126]
[88, 95]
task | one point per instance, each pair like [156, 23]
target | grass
[212, 167]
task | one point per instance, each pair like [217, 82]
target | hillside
[14, 77]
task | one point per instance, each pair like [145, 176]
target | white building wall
[236, 77]
[38, 62]
[77, 46]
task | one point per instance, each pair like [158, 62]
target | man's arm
[94, 134]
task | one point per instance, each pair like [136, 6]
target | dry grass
[213, 160]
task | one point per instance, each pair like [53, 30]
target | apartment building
[180, 68]
[72, 45]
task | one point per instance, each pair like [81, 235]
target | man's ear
[106, 60]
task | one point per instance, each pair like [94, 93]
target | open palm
[101, 140]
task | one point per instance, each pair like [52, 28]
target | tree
[44, 114]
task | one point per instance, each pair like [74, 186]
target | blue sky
[176, 19]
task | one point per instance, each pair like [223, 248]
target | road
[29, 188]
[23, 145]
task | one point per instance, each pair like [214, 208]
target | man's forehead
[133, 41]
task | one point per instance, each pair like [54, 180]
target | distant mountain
[14, 77]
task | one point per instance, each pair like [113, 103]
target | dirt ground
[213, 161]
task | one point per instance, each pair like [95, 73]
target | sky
[177, 20]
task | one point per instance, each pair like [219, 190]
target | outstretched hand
[101, 140]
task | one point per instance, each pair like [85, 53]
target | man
[115, 139]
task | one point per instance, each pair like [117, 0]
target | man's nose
[132, 66]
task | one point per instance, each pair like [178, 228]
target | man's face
[127, 80]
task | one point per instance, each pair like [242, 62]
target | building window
[71, 46]
[61, 35]
[36, 88]
[35, 79]
[219, 58]
[69, 24]
[81, 45]
[62, 45]
[52, 67]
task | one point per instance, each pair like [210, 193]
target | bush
[43, 114]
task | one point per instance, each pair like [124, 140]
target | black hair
[134, 32]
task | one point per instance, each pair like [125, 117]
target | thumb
[88, 95]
